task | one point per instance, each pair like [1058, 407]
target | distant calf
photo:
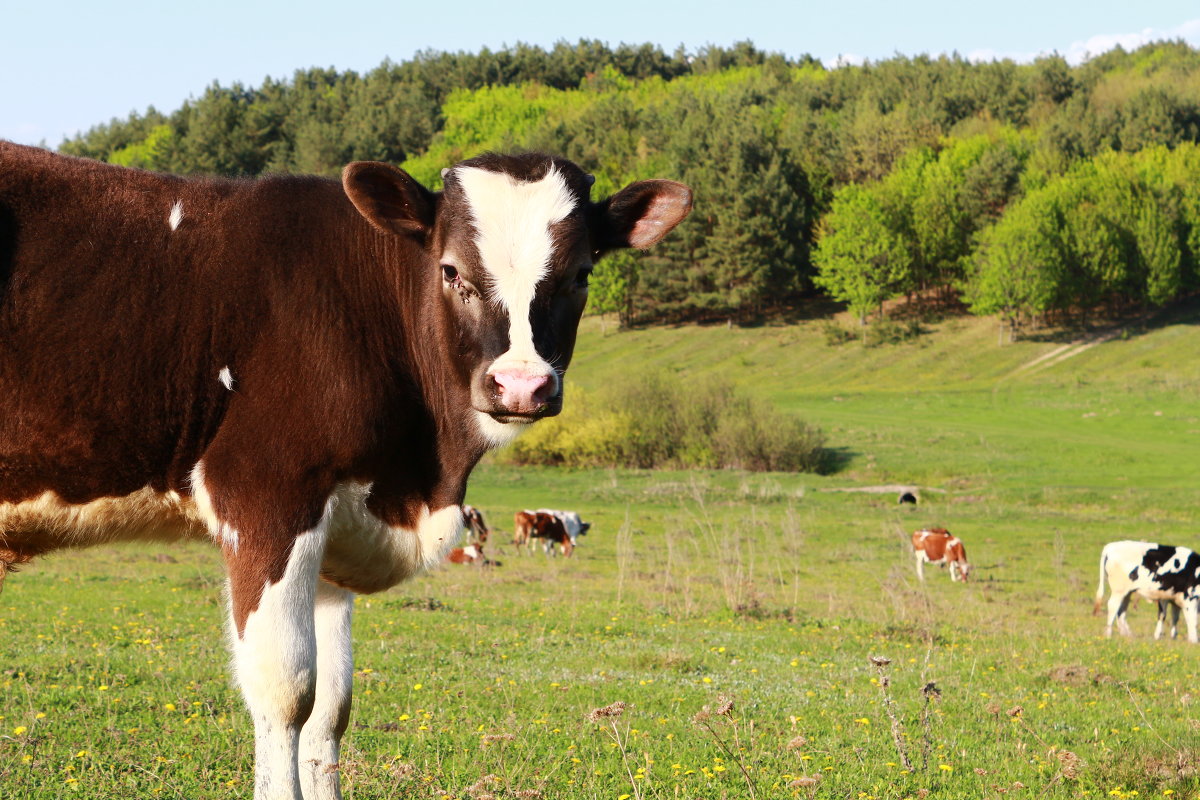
[471, 554]
[938, 546]
[1170, 576]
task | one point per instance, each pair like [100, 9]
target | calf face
[510, 244]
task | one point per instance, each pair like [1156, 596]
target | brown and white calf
[467, 554]
[303, 370]
[938, 546]
[1163, 573]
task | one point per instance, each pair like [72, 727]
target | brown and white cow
[938, 546]
[303, 370]
[477, 530]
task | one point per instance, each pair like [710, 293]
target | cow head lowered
[510, 244]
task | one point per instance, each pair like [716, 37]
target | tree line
[1028, 190]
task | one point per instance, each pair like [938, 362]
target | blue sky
[69, 65]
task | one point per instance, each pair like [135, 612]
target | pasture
[696, 588]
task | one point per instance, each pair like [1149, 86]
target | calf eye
[449, 273]
[581, 277]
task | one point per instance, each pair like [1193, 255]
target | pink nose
[521, 393]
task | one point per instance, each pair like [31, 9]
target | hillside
[952, 408]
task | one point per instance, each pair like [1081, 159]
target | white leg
[322, 734]
[1174, 621]
[275, 656]
[1191, 610]
[1116, 614]
[920, 567]
[1162, 618]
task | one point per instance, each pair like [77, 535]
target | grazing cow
[303, 370]
[523, 527]
[551, 530]
[544, 525]
[1170, 576]
[477, 529]
[938, 546]
[571, 521]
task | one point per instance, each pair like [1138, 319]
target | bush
[656, 420]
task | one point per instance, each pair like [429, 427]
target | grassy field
[696, 589]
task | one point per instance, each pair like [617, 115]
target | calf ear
[641, 214]
[388, 197]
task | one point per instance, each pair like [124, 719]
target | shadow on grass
[836, 459]
[1123, 325]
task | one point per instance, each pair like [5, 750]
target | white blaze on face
[512, 223]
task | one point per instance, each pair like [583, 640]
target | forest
[1035, 191]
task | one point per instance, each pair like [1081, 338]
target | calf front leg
[322, 734]
[272, 587]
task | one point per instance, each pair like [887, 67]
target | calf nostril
[519, 390]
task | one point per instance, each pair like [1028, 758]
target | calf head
[511, 242]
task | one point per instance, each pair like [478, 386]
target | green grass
[771, 590]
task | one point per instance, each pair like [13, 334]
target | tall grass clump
[657, 420]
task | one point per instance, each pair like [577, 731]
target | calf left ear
[641, 214]
[388, 198]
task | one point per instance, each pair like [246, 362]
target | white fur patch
[365, 554]
[176, 215]
[498, 434]
[226, 378]
[226, 534]
[512, 223]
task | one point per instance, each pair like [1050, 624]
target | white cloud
[844, 60]
[1079, 52]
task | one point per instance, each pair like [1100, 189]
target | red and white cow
[303, 370]
[572, 523]
[938, 546]
[1168, 575]
[543, 525]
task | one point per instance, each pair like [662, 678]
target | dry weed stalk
[889, 705]
[608, 714]
[724, 709]
[930, 692]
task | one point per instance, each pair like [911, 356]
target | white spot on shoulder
[226, 378]
[176, 215]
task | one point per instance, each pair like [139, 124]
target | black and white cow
[302, 370]
[1167, 575]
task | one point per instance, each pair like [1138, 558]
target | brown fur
[351, 362]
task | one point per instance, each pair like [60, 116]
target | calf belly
[47, 522]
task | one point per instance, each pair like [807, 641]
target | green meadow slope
[699, 588]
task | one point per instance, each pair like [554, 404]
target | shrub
[656, 420]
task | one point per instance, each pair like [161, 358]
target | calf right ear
[641, 214]
[388, 198]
